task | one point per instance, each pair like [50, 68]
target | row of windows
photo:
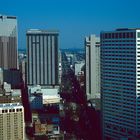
[109, 64]
[128, 98]
[12, 110]
[121, 129]
[107, 111]
[124, 52]
[116, 55]
[110, 84]
[123, 103]
[126, 102]
[120, 111]
[119, 62]
[118, 69]
[123, 100]
[123, 123]
[120, 116]
[118, 76]
[121, 40]
[132, 59]
[118, 48]
[118, 44]
[119, 73]
[120, 51]
[125, 92]
[118, 35]
[107, 90]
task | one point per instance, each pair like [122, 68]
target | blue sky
[74, 19]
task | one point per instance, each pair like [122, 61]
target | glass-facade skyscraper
[8, 42]
[120, 83]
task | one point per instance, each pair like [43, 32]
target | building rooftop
[8, 17]
[119, 30]
[124, 29]
[41, 31]
[10, 105]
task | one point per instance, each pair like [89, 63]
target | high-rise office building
[92, 45]
[42, 57]
[120, 83]
[11, 121]
[8, 42]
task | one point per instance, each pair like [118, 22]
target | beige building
[92, 46]
[11, 121]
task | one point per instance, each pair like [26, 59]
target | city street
[80, 120]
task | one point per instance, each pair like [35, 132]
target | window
[123, 35]
[120, 35]
[132, 35]
[106, 35]
[109, 35]
[116, 35]
[138, 34]
[112, 35]
[127, 35]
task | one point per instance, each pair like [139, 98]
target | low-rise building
[8, 95]
[42, 96]
[44, 105]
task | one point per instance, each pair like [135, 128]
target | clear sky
[74, 19]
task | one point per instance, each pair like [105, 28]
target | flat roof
[124, 29]
[41, 31]
[10, 105]
[121, 30]
[8, 17]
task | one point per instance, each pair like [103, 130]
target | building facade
[8, 42]
[92, 45]
[9, 95]
[40, 96]
[11, 121]
[78, 67]
[120, 83]
[11, 76]
[42, 57]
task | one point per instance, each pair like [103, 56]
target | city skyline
[73, 19]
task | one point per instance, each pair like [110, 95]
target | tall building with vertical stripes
[120, 84]
[8, 42]
[42, 57]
